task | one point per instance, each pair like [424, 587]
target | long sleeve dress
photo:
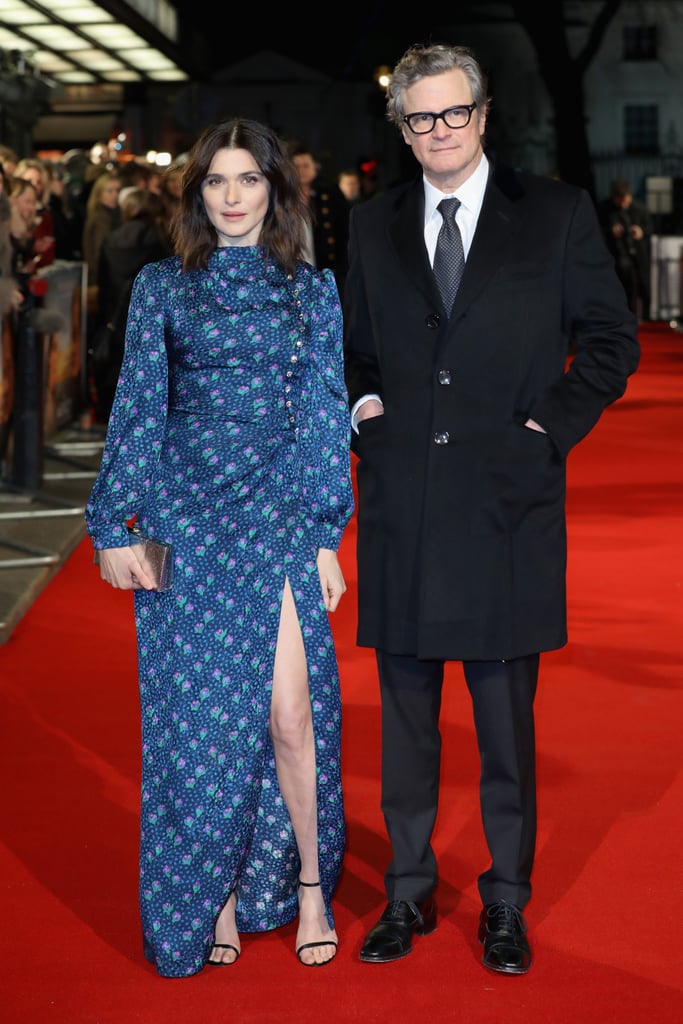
[229, 438]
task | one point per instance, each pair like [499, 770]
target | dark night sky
[347, 42]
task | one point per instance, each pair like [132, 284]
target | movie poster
[64, 370]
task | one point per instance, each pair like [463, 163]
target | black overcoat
[461, 509]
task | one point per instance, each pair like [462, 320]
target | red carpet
[605, 916]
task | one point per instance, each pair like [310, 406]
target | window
[641, 129]
[640, 42]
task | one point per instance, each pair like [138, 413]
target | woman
[171, 192]
[229, 438]
[35, 170]
[102, 215]
[11, 299]
[10, 292]
[23, 201]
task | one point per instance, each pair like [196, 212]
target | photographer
[627, 227]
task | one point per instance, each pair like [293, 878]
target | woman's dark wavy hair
[283, 231]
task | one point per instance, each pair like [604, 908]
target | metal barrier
[666, 262]
[21, 485]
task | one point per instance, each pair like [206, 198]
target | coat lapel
[499, 222]
[406, 236]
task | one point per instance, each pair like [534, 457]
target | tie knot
[448, 208]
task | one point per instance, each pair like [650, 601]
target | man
[627, 227]
[464, 418]
[349, 182]
[329, 227]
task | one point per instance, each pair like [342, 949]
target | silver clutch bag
[155, 557]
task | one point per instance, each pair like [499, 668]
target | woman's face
[236, 195]
[33, 175]
[306, 168]
[25, 202]
[109, 196]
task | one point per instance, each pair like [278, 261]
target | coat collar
[499, 221]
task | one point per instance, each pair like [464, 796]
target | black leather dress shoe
[391, 937]
[502, 930]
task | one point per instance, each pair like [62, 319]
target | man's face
[447, 155]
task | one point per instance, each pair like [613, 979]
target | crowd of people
[276, 326]
[66, 209]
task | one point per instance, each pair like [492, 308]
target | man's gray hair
[425, 59]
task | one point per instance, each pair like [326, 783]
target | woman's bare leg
[226, 934]
[291, 726]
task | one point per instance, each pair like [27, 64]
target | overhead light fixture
[78, 42]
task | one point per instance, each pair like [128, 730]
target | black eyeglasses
[422, 122]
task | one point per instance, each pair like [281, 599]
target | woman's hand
[331, 578]
[43, 244]
[121, 568]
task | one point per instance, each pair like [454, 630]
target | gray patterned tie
[449, 257]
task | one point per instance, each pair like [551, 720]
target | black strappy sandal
[223, 963]
[314, 945]
[225, 945]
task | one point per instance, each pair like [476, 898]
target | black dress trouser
[502, 694]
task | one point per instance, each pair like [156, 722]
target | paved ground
[40, 527]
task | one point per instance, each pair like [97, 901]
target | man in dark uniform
[329, 209]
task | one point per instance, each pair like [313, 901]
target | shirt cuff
[356, 407]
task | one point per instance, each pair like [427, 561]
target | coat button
[441, 437]
[433, 321]
[444, 376]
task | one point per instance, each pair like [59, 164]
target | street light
[383, 76]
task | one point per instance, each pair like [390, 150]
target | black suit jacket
[461, 508]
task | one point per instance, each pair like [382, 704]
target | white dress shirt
[471, 196]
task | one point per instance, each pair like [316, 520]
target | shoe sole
[505, 970]
[384, 959]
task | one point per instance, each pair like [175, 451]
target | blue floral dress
[229, 438]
